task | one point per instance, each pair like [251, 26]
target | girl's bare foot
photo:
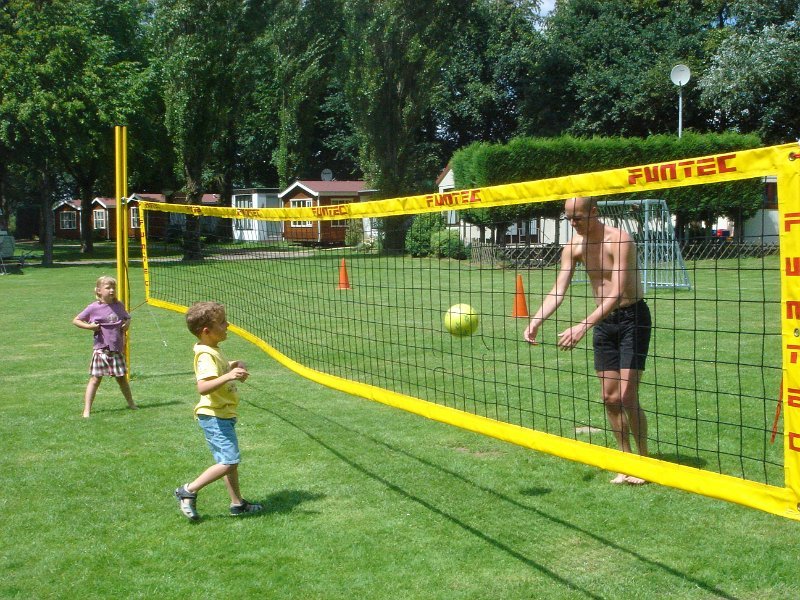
[631, 480]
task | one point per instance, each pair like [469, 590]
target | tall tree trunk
[192, 246]
[86, 191]
[46, 208]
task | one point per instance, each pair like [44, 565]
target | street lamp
[680, 75]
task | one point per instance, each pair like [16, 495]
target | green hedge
[447, 244]
[418, 238]
[527, 159]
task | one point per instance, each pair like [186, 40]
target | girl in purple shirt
[109, 321]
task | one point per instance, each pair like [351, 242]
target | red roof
[332, 186]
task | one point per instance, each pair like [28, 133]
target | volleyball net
[721, 390]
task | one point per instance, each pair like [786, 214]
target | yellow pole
[121, 172]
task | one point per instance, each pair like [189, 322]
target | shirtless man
[621, 320]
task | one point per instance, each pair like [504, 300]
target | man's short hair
[204, 314]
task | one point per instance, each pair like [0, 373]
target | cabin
[67, 217]
[318, 194]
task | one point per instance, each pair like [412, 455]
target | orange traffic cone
[344, 281]
[520, 306]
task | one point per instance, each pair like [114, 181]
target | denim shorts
[221, 438]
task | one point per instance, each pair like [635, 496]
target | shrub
[418, 238]
[354, 235]
[448, 244]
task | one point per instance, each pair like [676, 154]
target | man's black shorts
[622, 339]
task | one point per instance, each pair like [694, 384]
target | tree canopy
[229, 93]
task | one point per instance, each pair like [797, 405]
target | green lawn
[362, 500]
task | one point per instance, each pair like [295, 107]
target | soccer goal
[649, 222]
[721, 389]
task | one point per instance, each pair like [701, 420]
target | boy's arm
[211, 384]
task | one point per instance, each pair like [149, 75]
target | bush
[354, 236]
[448, 244]
[418, 238]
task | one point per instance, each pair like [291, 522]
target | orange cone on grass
[520, 306]
[344, 280]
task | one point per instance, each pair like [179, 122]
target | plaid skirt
[107, 362]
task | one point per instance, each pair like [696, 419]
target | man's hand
[569, 338]
[530, 333]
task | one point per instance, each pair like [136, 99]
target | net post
[789, 236]
[121, 192]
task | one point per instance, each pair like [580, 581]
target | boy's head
[204, 314]
[103, 287]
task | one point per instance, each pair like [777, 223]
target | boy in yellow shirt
[216, 411]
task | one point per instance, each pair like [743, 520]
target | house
[317, 194]
[67, 216]
[252, 230]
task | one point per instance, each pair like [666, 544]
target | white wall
[252, 230]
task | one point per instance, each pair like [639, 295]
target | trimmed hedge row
[526, 159]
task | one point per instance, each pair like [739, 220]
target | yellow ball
[461, 320]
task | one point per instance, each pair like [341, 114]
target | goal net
[721, 388]
[649, 223]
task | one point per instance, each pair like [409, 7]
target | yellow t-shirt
[222, 402]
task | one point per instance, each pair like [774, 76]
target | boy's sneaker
[186, 502]
[245, 508]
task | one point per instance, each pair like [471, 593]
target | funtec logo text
[699, 167]
[454, 198]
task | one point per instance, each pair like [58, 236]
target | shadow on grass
[279, 503]
[148, 406]
[687, 461]
[535, 491]
[500, 545]
[137, 377]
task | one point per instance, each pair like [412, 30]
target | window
[340, 222]
[68, 219]
[304, 203]
[243, 201]
[99, 216]
[134, 212]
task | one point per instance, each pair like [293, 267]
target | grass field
[362, 500]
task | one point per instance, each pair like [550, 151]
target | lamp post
[680, 76]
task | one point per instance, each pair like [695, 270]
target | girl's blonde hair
[103, 279]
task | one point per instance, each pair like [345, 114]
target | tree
[392, 56]
[753, 81]
[71, 79]
[198, 45]
[606, 67]
[485, 77]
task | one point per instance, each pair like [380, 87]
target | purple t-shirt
[110, 317]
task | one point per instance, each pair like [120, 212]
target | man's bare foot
[631, 480]
[133, 407]
[619, 479]
[85, 415]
